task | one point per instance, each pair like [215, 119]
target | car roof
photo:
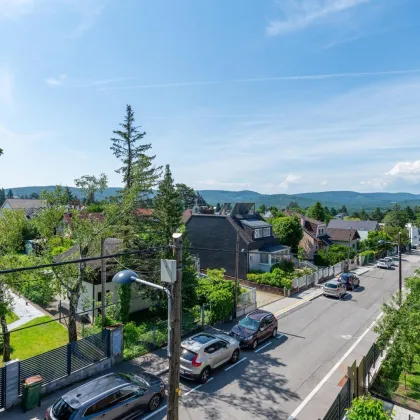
[89, 391]
[333, 282]
[259, 314]
[196, 342]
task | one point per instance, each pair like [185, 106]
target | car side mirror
[140, 393]
[262, 329]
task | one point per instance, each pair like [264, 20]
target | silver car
[383, 264]
[390, 261]
[334, 288]
[202, 353]
[110, 397]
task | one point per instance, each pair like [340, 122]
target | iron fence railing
[340, 404]
[63, 361]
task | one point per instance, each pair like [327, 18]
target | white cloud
[11, 9]
[302, 13]
[406, 170]
[56, 81]
[290, 180]
[6, 88]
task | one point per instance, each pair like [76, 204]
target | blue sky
[276, 96]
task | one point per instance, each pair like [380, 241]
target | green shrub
[284, 265]
[277, 278]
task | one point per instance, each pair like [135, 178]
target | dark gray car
[115, 396]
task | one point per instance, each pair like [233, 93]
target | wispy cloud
[272, 79]
[290, 180]
[6, 88]
[406, 170]
[299, 14]
[56, 81]
[11, 9]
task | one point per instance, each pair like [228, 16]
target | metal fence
[316, 276]
[340, 404]
[63, 361]
[248, 298]
[2, 387]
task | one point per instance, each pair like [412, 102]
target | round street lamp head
[125, 277]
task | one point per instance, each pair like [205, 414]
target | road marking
[263, 347]
[330, 373]
[279, 335]
[237, 363]
[346, 337]
[153, 413]
[197, 387]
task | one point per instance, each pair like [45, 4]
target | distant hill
[351, 199]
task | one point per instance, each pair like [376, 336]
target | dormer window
[266, 232]
[262, 233]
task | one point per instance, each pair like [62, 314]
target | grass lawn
[11, 317]
[37, 340]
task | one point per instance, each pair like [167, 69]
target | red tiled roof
[143, 212]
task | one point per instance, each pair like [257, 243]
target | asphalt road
[272, 382]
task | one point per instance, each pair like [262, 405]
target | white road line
[263, 347]
[237, 363]
[279, 336]
[197, 387]
[330, 373]
[153, 413]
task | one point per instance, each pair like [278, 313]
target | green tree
[2, 196]
[288, 230]
[363, 215]
[218, 208]
[34, 196]
[262, 209]
[48, 220]
[55, 197]
[187, 195]
[410, 214]
[12, 231]
[1, 151]
[333, 212]
[377, 215]
[293, 205]
[68, 195]
[397, 217]
[10, 194]
[367, 407]
[89, 186]
[316, 212]
[343, 209]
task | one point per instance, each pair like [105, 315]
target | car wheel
[274, 335]
[235, 356]
[154, 402]
[204, 376]
[254, 344]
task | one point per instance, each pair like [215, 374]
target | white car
[390, 261]
[383, 264]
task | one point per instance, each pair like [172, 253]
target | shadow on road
[260, 389]
[359, 289]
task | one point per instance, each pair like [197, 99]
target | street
[273, 381]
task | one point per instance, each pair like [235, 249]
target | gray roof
[272, 248]
[366, 225]
[23, 204]
[255, 223]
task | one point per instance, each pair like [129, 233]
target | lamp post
[399, 260]
[129, 276]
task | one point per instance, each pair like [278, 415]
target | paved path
[401, 413]
[24, 310]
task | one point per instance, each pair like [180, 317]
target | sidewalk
[401, 413]
[24, 310]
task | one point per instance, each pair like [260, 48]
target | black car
[350, 280]
[254, 328]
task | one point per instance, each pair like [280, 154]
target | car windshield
[62, 411]
[331, 286]
[249, 323]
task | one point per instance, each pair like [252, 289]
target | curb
[291, 309]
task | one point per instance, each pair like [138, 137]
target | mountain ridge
[351, 199]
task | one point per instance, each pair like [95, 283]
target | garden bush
[277, 278]
[285, 265]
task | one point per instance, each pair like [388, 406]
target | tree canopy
[288, 230]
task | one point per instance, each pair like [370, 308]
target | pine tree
[168, 207]
[126, 148]
[10, 194]
[218, 207]
[377, 215]
[316, 212]
[2, 196]
[343, 209]
[69, 197]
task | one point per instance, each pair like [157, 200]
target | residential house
[92, 286]
[413, 234]
[346, 237]
[340, 216]
[30, 207]
[213, 238]
[315, 235]
[363, 227]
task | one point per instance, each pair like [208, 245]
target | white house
[413, 233]
[92, 288]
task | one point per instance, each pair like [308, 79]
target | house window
[267, 232]
[264, 258]
[257, 233]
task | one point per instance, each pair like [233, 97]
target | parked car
[334, 288]
[350, 280]
[202, 353]
[383, 264]
[254, 328]
[390, 261]
[115, 396]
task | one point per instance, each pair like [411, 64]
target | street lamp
[129, 276]
[382, 242]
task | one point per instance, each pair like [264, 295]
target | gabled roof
[310, 227]
[343, 235]
[366, 225]
[24, 204]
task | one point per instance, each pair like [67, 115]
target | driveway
[24, 310]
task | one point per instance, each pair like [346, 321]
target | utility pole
[235, 303]
[399, 266]
[103, 282]
[175, 344]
